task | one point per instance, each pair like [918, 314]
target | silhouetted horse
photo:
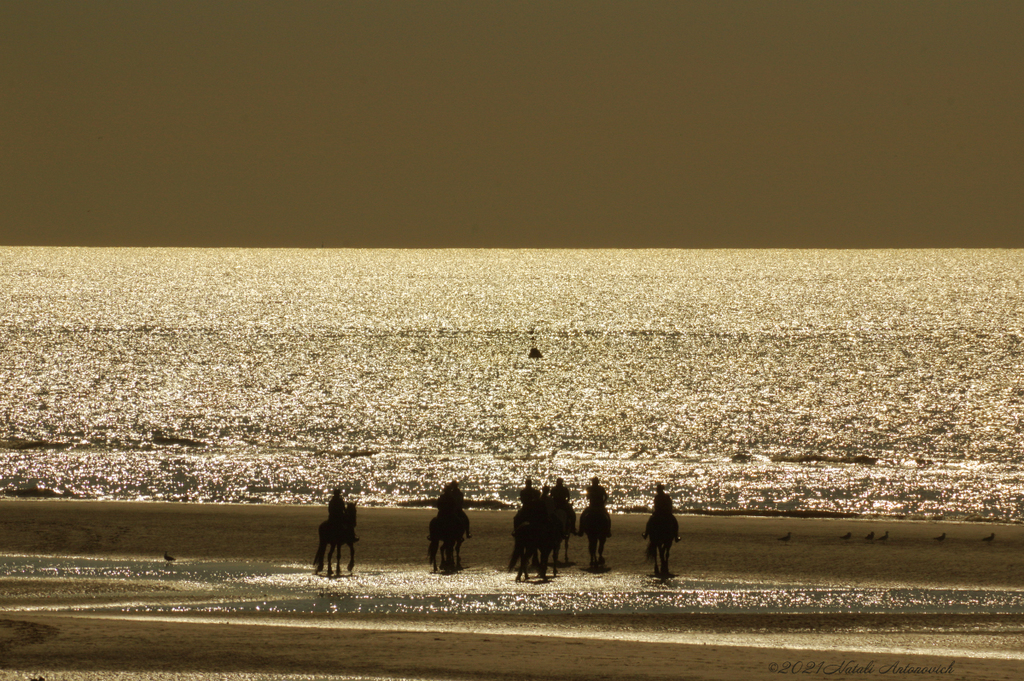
[447, 530]
[597, 525]
[335, 533]
[662, 531]
[538, 534]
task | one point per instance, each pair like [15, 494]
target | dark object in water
[39, 493]
[19, 444]
[824, 458]
[535, 354]
[161, 439]
[351, 455]
[740, 458]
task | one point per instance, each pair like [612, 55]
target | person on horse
[560, 499]
[597, 500]
[560, 495]
[452, 501]
[341, 514]
[597, 495]
[336, 509]
[662, 509]
[529, 493]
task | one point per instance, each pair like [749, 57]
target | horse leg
[351, 556]
[318, 561]
[432, 553]
[458, 554]
[600, 551]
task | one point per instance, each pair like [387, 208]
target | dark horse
[538, 534]
[447, 530]
[597, 525]
[335, 533]
[662, 531]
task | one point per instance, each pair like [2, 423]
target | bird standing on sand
[871, 536]
[941, 537]
[847, 535]
[168, 557]
[989, 538]
[786, 538]
[884, 536]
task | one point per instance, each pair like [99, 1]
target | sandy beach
[51, 626]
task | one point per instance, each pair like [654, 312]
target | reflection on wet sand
[220, 588]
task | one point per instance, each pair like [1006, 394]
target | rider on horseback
[662, 509]
[597, 500]
[560, 495]
[451, 501]
[597, 495]
[528, 493]
[336, 507]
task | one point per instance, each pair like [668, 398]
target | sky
[512, 123]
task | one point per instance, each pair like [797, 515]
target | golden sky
[512, 123]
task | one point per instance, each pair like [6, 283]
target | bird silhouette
[941, 537]
[884, 536]
[871, 536]
[168, 557]
[989, 538]
[847, 535]
[786, 538]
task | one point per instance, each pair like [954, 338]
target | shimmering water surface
[868, 381]
[260, 589]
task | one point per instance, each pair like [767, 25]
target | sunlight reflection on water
[244, 588]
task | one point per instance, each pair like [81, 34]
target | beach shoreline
[42, 632]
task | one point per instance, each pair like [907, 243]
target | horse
[447, 530]
[537, 534]
[597, 525]
[335, 533]
[662, 531]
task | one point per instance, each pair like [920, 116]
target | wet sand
[37, 636]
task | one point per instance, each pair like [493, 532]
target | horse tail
[515, 556]
[652, 549]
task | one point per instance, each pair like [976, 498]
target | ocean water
[870, 382]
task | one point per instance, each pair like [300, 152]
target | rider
[336, 507]
[597, 499]
[662, 509]
[597, 495]
[560, 495]
[452, 500]
[528, 493]
[662, 501]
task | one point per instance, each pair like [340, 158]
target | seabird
[884, 536]
[786, 538]
[941, 537]
[168, 557]
[989, 538]
[871, 536]
[847, 535]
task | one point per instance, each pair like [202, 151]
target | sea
[792, 382]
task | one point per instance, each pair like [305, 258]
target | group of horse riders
[549, 507]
